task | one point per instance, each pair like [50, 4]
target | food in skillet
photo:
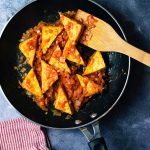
[60, 74]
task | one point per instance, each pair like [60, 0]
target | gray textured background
[127, 127]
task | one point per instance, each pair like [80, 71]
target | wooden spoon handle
[135, 53]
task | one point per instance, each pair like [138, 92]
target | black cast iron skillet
[118, 67]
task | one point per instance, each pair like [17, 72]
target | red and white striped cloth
[21, 134]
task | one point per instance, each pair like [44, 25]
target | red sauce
[71, 50]
[85, 80]
[78, 57]
[69, 26]
[57, 54]
[72, 87]
[49, 53]
[28, 82]
[61, 39]
[50, 93]
[48, 70]
[91, 61]
[50, 31]
[91, 21]
[62, 104]
[32, 44]
[62, 18]
[98, 78]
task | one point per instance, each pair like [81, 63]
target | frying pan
[118, 68]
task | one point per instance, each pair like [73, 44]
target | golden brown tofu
[72, 27]
[58, 60]
[41, 102]
[48, 76]
[95, 63]
[31, 84]
[61, 103]
[71, 53]
[28, 48]
[49, 33]
[89, 86]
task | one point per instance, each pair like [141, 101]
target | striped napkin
[21, 134]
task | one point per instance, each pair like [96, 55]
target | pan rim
[104, 114]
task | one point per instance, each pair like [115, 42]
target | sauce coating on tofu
[60, 74]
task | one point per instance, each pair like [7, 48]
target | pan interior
[117, 64]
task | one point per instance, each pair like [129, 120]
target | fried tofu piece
[61, 103]
[58, 60]
[89, 86]
[31, 84]
[73, 28]
[48, 76]
[42, 103]
[71, 53]
[95, 63]
[28, 48]
[49, 33]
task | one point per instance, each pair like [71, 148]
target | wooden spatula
[101, 36]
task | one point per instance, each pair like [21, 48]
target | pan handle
[95, 141]
[98, 144]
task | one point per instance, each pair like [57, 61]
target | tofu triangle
[49, 33]
[71, 53]
[72, 27]
[31, 84]
[95, 63]
[48, 76]
[90, 88]
[58, 60]
[61, 103]
[28, 48]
